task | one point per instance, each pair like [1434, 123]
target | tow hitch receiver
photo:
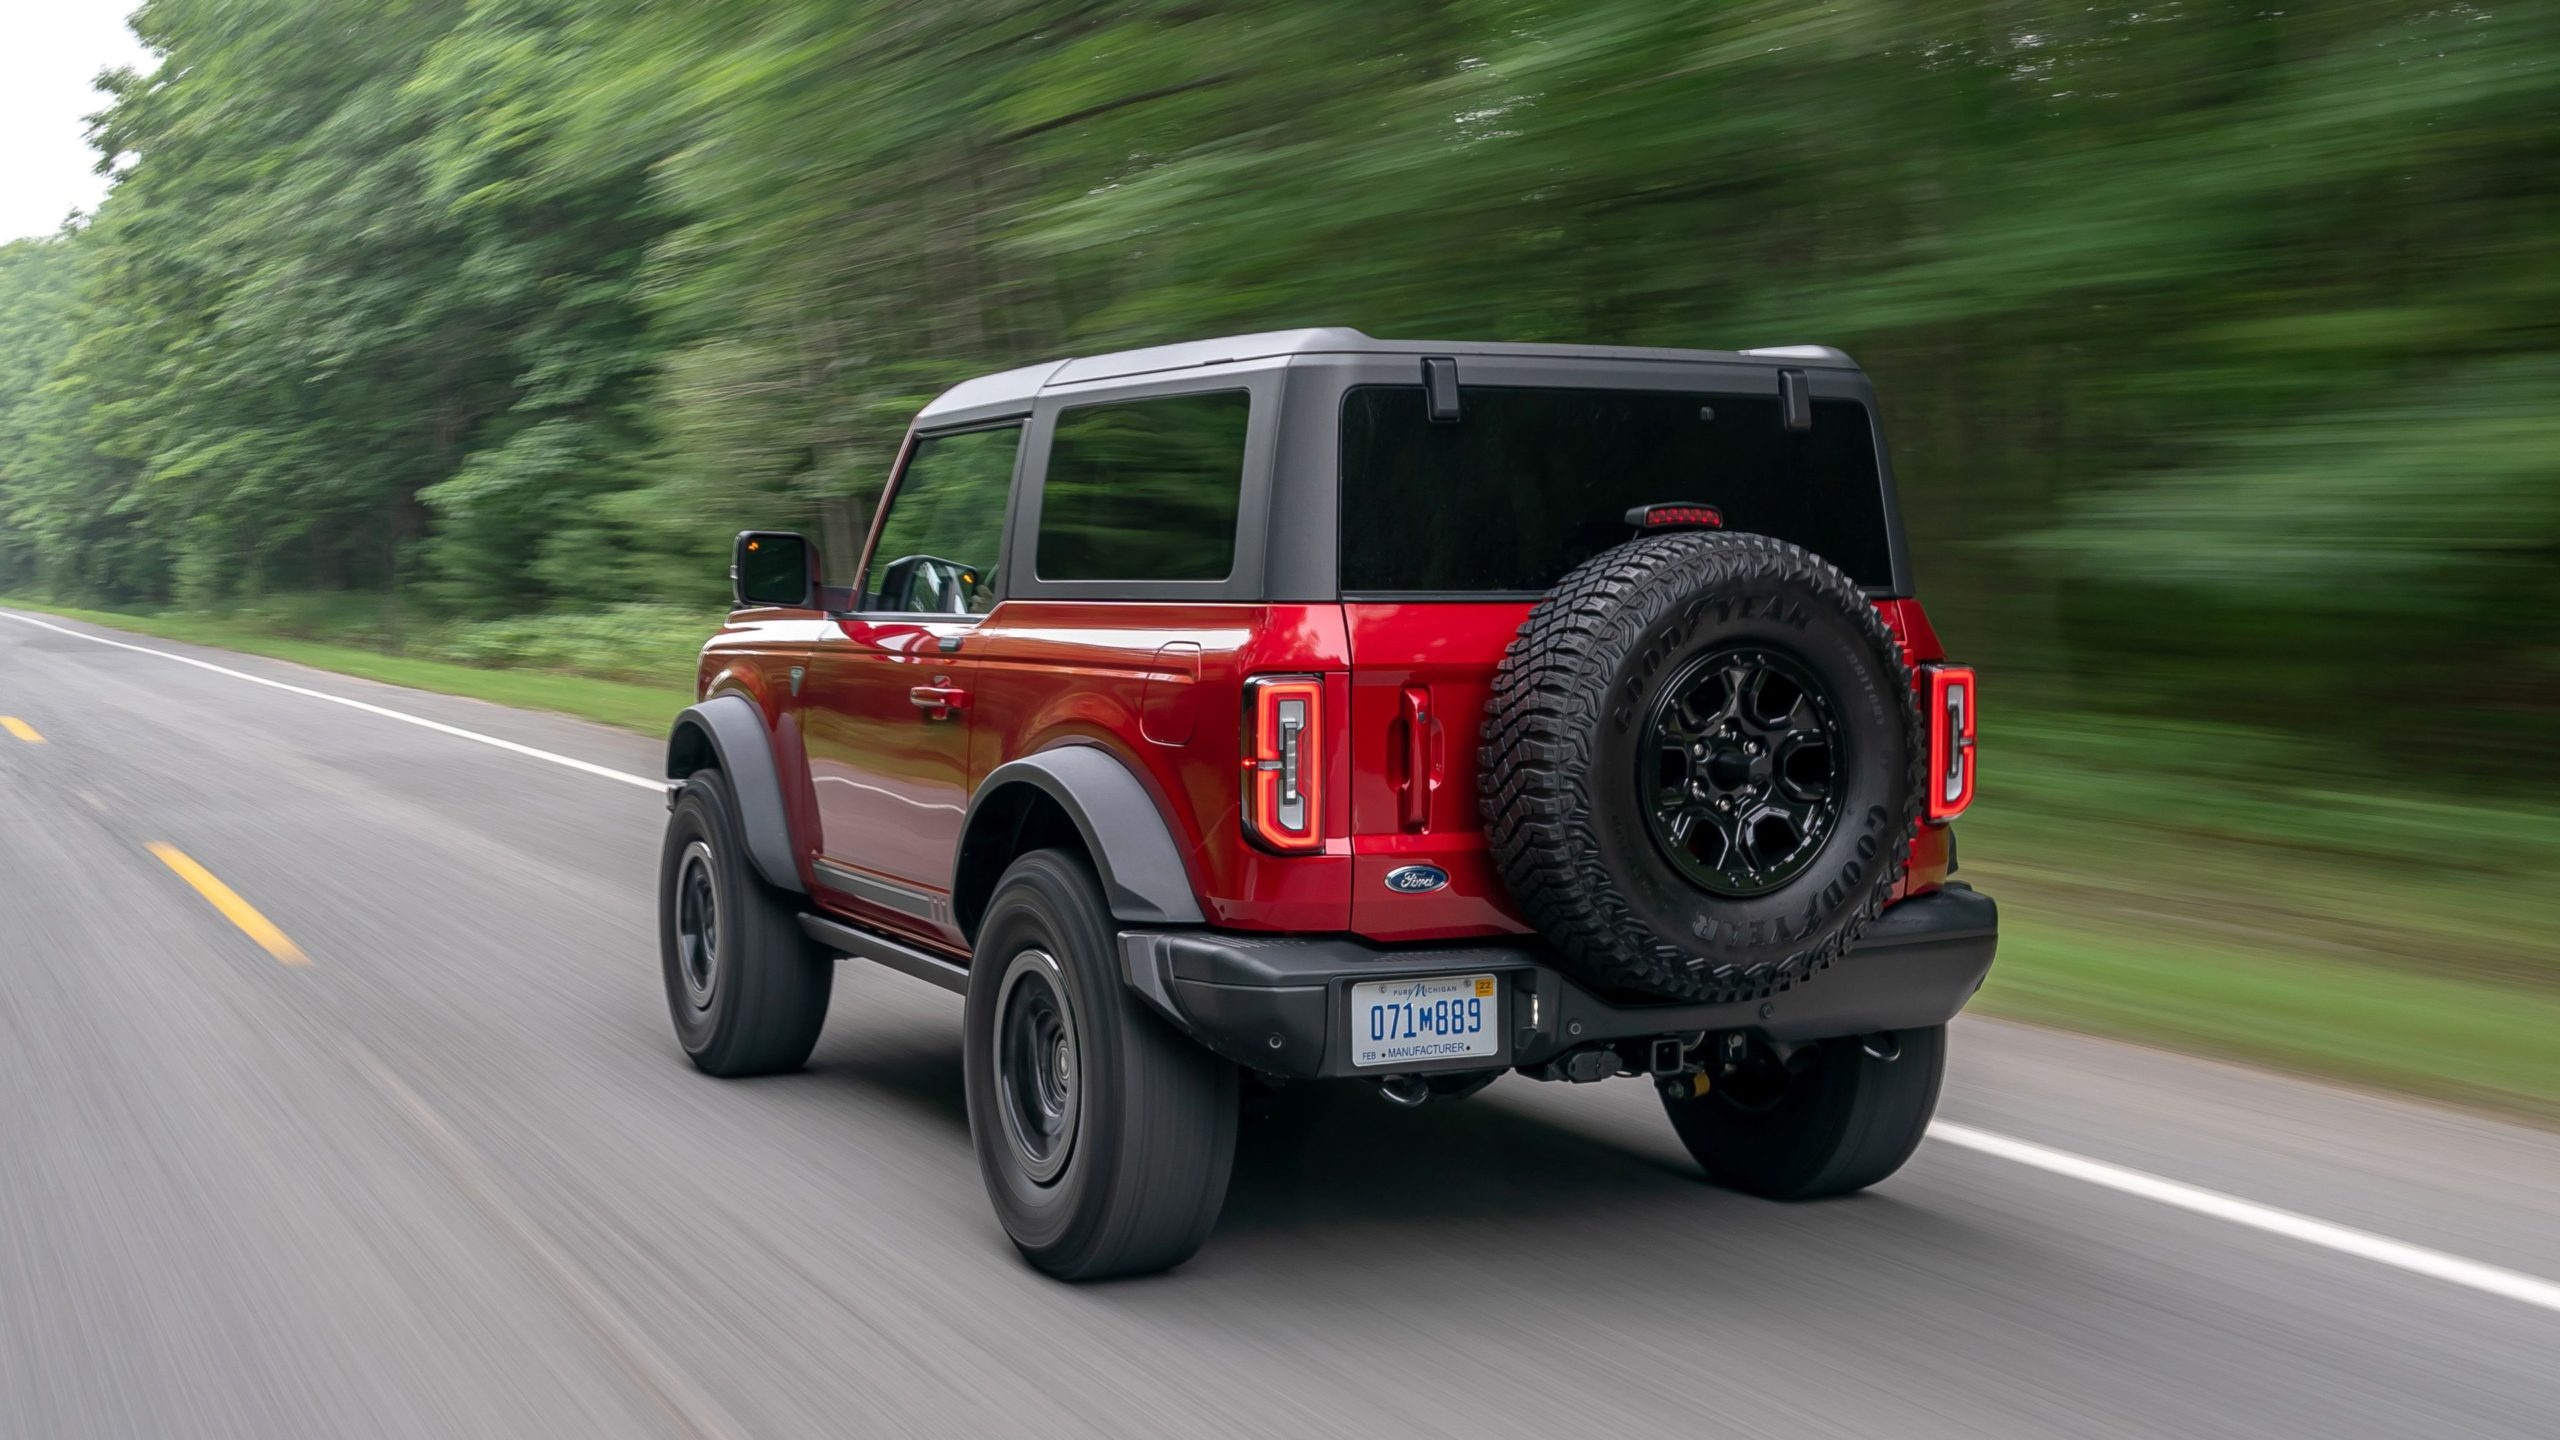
[1664, 1057]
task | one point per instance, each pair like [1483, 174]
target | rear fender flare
[728, 732]
[1134, 854]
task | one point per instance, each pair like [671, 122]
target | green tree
[2216, 341]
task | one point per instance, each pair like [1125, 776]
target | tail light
[1950, 701]
[1284, 762]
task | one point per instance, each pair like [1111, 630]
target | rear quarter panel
[1160, 685]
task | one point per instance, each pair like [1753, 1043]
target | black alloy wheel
[1741, 775]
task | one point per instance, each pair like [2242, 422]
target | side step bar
[881, 950]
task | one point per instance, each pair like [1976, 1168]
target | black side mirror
[773, 567]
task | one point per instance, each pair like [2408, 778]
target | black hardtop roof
[1012, 390]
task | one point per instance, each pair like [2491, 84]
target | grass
[624, 704]
[2473, 1042]
[2235, 893]
[2216, 890]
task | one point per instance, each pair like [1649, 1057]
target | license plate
[1439, 1017]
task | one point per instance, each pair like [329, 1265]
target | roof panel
[989, 397]
[1191, 354]
[1010, 393]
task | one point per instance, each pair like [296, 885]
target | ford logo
[1416, 879]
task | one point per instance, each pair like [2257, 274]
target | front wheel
[1105, 1137]
[1844, 1117]
[745, 988]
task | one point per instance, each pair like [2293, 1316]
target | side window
[938, 547]
[1144, 489]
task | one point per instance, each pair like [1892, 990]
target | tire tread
[1536, 766]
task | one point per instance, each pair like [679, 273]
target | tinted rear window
[1144, 489]
[1531, 482]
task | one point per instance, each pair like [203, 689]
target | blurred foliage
[2218, 343]
[340, 642]
[649, 644]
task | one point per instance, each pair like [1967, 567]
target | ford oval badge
[1416, 879]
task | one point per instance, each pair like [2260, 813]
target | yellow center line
[21, 729]
[234, 909]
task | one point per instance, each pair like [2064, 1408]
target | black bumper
[1284, 1005]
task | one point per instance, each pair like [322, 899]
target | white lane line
[2363, 1244]
[422, 722]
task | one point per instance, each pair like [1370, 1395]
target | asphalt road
[433, 1166]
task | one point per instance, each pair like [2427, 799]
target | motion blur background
[2219, 348]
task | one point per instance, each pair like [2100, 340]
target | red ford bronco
[1309, 707]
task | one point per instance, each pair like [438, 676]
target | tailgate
[1420, 675]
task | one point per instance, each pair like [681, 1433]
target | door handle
[939, 701]
[1415, 803]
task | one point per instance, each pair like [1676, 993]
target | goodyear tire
[1701, 766]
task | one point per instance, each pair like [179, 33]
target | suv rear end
[1436, 491]
[1450, 530]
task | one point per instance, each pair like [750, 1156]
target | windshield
[1531, 482]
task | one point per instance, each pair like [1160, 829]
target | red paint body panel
[1160, 685]
[890, 779]
[1929, 845]
[1446, 652]
[752, 655]
[1057, 672]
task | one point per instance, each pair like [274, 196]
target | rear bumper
[1283, 1005]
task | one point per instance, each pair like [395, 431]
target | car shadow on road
[917, 1067]
[1327, 1160]
[1341, 1193]
[1328, 1153]
[1314, 1153]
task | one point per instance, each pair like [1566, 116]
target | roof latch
[1440, 387]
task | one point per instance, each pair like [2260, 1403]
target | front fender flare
[1133, 850]
[728, 731]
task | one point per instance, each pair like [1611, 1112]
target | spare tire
[1701, 766]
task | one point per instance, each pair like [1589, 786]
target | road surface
[416, 1156]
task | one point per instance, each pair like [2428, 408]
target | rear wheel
[1844, 1116]
[746, 989]
[1105, 1137]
